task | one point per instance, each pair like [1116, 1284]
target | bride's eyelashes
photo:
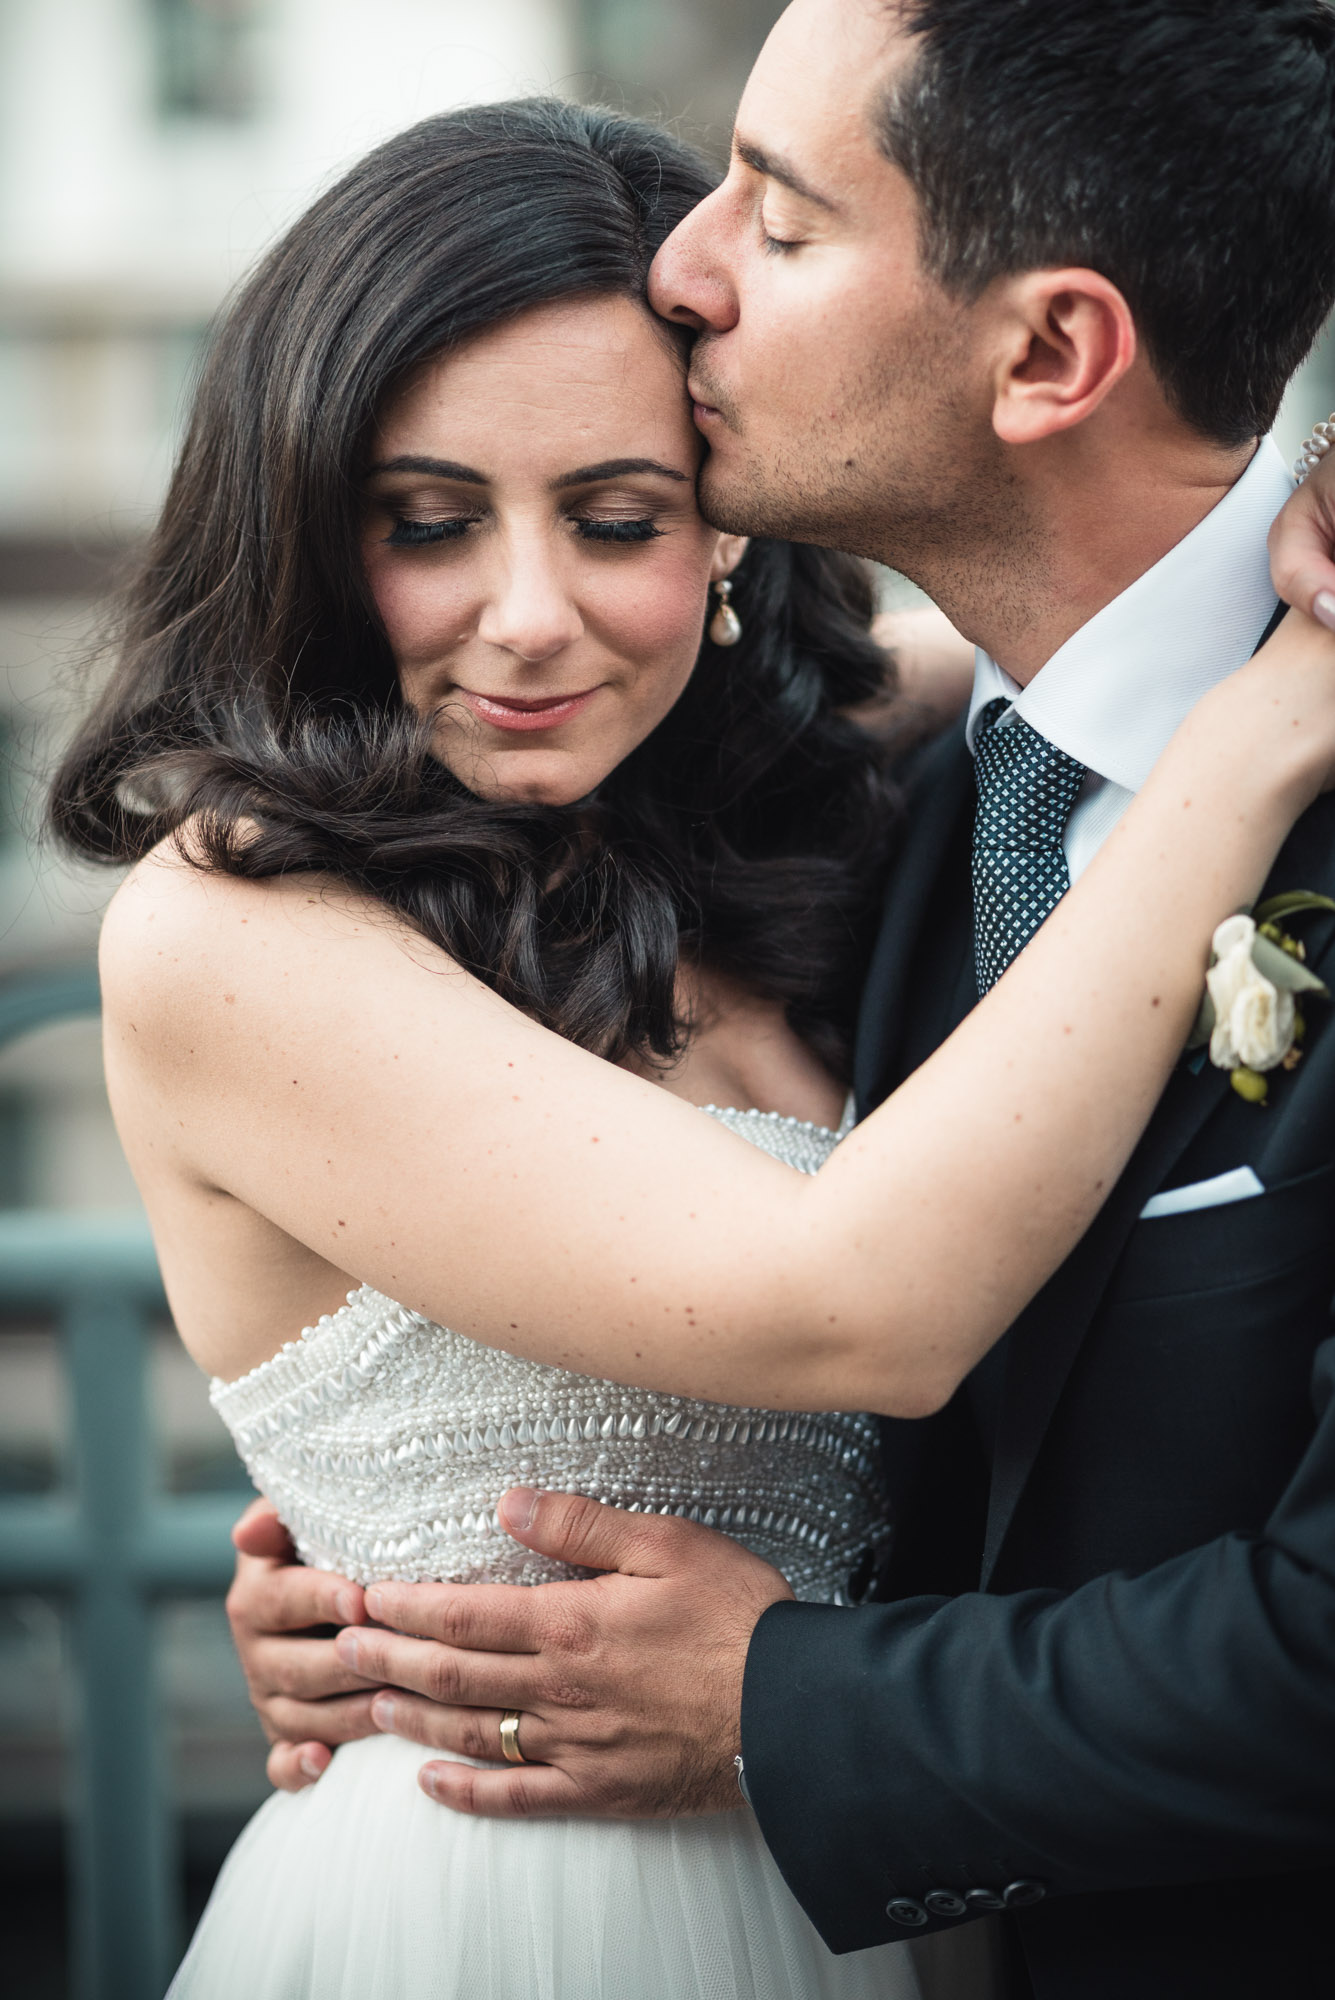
[645, 530]
[406, 534]
[411, 534]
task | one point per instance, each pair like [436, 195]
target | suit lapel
[942, 789]
[1046, 1338]
[1042, 1346]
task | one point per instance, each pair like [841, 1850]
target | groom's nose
[690, 281]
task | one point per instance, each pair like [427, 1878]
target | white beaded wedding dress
[385, 1441]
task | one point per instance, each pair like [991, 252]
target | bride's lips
[516, 712]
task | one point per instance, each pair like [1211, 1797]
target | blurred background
[149, 149]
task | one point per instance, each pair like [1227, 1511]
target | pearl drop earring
[725, 627]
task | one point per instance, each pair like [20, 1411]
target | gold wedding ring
[510, 1749]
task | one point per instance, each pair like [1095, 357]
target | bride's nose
[530, 611]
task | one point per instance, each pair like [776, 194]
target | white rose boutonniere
[1252, 1016]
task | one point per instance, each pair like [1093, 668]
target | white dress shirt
[1115, 692]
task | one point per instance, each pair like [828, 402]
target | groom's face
[836, 384]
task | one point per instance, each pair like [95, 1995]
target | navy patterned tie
[1026, 788]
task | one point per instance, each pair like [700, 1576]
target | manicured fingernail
[518, 1509]
[345, 1645]
[382, 1713]
[373, 1601]
[1323, 609]
[347, 1607]
[310, 1764]
[426, 1778]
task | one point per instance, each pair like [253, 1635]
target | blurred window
[34, 1412]
[206, 58]
[683, 62]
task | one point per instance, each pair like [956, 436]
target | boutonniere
[1252, 1016]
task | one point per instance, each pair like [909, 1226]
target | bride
[506, 854]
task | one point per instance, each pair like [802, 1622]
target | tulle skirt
[362, 1889]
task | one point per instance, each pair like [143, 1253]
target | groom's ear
[1064, 340]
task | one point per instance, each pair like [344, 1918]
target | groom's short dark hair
[1185, 149]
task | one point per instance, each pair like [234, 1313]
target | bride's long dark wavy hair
[255, 692]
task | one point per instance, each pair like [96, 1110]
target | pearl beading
[385, 1441]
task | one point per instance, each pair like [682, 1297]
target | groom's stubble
[907, 478]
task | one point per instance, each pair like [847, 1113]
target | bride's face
[532, 540]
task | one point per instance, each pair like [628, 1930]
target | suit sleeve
[1177, 1726]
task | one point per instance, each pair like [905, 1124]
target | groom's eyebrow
[617, 468]
[774, 168]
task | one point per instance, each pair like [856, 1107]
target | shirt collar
[1117, 690]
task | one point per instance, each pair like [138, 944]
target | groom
[1002, 292]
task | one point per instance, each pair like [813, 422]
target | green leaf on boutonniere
[1283, 970]
[1292, 904]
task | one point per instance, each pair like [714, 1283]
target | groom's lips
[703, 411]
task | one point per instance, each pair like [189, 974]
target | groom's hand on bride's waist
[628, 1686]
[281, 1615]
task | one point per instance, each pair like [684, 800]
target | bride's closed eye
[643, 530]
[409, 534]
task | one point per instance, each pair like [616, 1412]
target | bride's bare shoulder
[177, 933]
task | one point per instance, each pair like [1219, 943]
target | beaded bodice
[385, 1442]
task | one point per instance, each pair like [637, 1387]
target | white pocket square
[1239, 1185]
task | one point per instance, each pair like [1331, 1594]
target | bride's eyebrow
[617, 468]
[439, 468]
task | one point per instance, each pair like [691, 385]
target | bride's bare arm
[302, 1053]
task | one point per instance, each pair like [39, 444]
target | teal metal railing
[108, 1545]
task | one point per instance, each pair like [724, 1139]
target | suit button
[903, 1910]
[945, 1903]
[980, 1901]
[1020, 1895]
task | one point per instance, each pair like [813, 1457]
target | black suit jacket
[1099, 1681]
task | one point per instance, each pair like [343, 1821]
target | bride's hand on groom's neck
[1302, 546]
[1280, 710]
[628, 1686]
